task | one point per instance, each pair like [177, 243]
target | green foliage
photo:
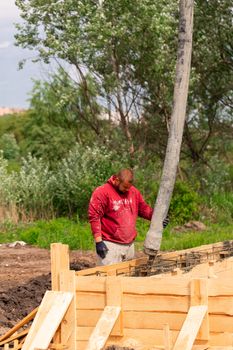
[129, 50]
[217, 176]
[42, 233]
[184, 203]
[7, 195]
[9, 146]
[221, 206]
[77, 176]
[61, 114]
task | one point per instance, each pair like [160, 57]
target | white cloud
[5, 44]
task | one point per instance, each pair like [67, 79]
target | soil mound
[18, 302]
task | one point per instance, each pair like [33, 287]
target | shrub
[78, 175]
[9, 146]
[34, 188]
[184, 203]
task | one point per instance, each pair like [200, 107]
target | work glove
[166, 221]
[101, 249]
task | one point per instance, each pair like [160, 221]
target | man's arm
[96, 211]
[144, 210]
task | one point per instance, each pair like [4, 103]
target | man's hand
[166, 221]
[101, 249]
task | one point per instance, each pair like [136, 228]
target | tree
[111, 42]
[127, 50]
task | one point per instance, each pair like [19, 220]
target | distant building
[6, 110]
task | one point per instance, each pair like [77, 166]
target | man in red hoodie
[113, 211]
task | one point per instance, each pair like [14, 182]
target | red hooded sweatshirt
[113, 214]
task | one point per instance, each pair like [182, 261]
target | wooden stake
[59, 261]
[114, 298]
[199, 296]
[103, 328]
[68, 325]
[190, 328]
[167, 338]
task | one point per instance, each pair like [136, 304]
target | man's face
[124, 186]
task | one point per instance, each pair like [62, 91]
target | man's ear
[116, 180]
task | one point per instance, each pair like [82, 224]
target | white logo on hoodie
[118, 203]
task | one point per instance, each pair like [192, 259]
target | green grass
[42, 233]
[78, 235]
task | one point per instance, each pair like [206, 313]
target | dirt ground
[24, 278]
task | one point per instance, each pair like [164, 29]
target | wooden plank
[220, 286]
[85, 300]
[126, 266]
[147, 337]
[87, 318]
[167, 337]
[15, 336]
[136, 285]
[136, 319]
[199, 296]
[155, 303]
[90, 283]
[190, 328]
[221, 305]
[50, 313]
[114, 298]
[20, 324]
[221, 323]
[221, 339]
[147, 285]
[103, 328]
[155, 320]
[68, 324]
[59, 261]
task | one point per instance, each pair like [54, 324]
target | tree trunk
[154, 235]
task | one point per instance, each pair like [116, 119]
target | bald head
[125, 174]
[124, 180]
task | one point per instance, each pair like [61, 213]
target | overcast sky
[14, 84]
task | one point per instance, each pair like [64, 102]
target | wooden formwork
[187, 307]
[156, 312]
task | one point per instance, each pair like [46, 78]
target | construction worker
[113, 211]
